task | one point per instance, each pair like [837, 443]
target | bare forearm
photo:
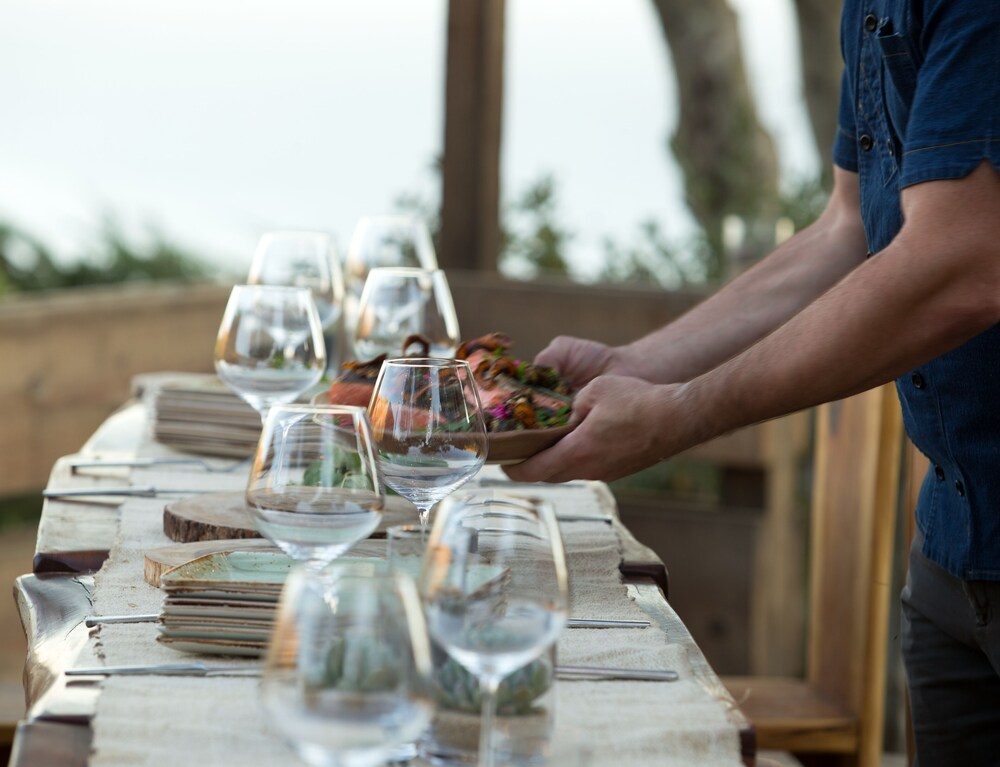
[932, 289]
[746, 310]
[760, 300]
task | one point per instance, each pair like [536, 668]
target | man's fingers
[543, 466]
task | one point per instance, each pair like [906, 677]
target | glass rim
[427, 362]
[308, 408]
[405, 271]
[265, 287]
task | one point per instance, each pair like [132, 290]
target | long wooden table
[54, 600]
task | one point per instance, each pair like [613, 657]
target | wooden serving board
[223, 516]
[164, 558]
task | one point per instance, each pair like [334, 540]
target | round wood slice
[223, 516]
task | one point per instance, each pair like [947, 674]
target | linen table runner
[218, 721]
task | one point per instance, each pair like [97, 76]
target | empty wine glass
[400, 240]
[303, 260]
[306, 260]
[314, 488]
[346, 678]
[494, 588]
[270, 346]
[428, 427]
[398, 302]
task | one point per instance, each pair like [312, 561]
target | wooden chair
[915, 466]
[834, 715]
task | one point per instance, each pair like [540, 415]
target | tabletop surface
[74, 540]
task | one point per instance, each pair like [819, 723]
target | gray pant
[951, 649]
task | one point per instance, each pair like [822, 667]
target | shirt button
[917, 380]
[939, 473]
[871, 22]
[866, 141]
[959, 488]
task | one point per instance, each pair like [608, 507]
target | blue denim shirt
[920, 101]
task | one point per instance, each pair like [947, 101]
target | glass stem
[424, 512]
[488, 695]
[316, 566]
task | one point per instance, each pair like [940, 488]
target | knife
[598, 672]
[602, 623]
[166, 669]
[140, 463]
[203, 669]
[574, 623]
[135, 492]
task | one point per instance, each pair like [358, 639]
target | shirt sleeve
[845, 144]
[954, 120]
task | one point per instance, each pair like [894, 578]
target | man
[899, 278]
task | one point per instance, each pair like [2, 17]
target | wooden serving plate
[507, 447]
[223, 516]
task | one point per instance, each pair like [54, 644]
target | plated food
[526, 406]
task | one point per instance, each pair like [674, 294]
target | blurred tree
[819, 49]
[727, 157]
[26, 264]
[651, 258]
[532, 242]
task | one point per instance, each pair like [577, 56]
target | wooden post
[470, 197]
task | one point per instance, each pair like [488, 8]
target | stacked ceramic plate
[200, 414]
[223, 603]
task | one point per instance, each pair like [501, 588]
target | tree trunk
[728, 159]
[819, 45]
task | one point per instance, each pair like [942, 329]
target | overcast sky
[216, 121]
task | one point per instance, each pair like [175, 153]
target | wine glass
[270, 347]
[398, 302]
[314, 488]
[347, 674]
[428, 427]
[400, 240]
[306, 260]
[494, 588]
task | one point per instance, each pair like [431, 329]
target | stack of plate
[200, 414]
[223, 603]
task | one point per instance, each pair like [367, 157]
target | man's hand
[579, 360]
[623, 425]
